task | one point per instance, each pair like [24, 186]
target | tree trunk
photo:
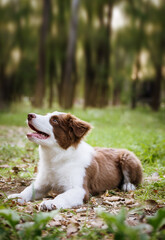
[135, 82]
[158, 64]
[68, 88]
[98, 69]
[40, 84]
[50, 91]
[6, 83]
[107, 55]
[52, 74]
[134, 94]
[116, 96]
[6, 88]
[89, 76]
[60, 85]
[157, 88]
[3, 100]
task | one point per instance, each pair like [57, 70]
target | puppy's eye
[55, 121]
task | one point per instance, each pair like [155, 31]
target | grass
[140, 131]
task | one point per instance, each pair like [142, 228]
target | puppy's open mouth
[37, 133]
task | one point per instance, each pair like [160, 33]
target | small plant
[158, 225]
[117, 226]
[14, 227]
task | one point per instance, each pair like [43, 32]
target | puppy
[73, 168]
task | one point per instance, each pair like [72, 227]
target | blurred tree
[43, 47]
[147, 25]
[62, 17]
[121, 66]
[156, 46]
[16, 60]
[70, 76]
[51, 69]
[136, 11]
[97, 52]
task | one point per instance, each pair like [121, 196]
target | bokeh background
[82, 52]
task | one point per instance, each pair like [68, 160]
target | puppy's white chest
[65, 176]
[65, 170]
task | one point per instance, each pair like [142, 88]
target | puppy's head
[57, 128]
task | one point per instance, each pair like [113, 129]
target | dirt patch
[12, 185]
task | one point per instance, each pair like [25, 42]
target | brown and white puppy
[73, 168]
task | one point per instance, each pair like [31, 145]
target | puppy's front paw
[128, 187]
[17, 198]
[47, 205]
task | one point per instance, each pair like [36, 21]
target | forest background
[90, 53]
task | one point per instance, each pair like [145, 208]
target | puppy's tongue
[37, 135]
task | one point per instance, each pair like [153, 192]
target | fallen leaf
[151, 202]
[155, 191]
[136, 204]
[4, 166]
[35, 169]
[71, 228]
[132, 194]
[114, 199]
[25, 160]
[93, 201]
[97, 223]
[132, 221]
[108, 203]
[129, 201]
[54, 223]
[81, 210]
[16, 169]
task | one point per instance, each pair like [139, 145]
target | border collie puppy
[71, 167]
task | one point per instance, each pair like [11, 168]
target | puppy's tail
[132, 170]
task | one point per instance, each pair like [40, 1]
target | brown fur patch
[105, 171]
[68, 130]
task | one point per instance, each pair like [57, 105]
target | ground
[140, 131]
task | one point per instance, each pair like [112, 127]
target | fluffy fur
[71, 167]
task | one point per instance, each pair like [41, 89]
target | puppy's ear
[79, 127]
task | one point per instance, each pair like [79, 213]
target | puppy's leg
[36, 190]
[131, 169]
[71, 198]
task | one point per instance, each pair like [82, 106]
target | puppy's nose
[30, 116]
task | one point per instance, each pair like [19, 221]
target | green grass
[14, 155]
[141, 131]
